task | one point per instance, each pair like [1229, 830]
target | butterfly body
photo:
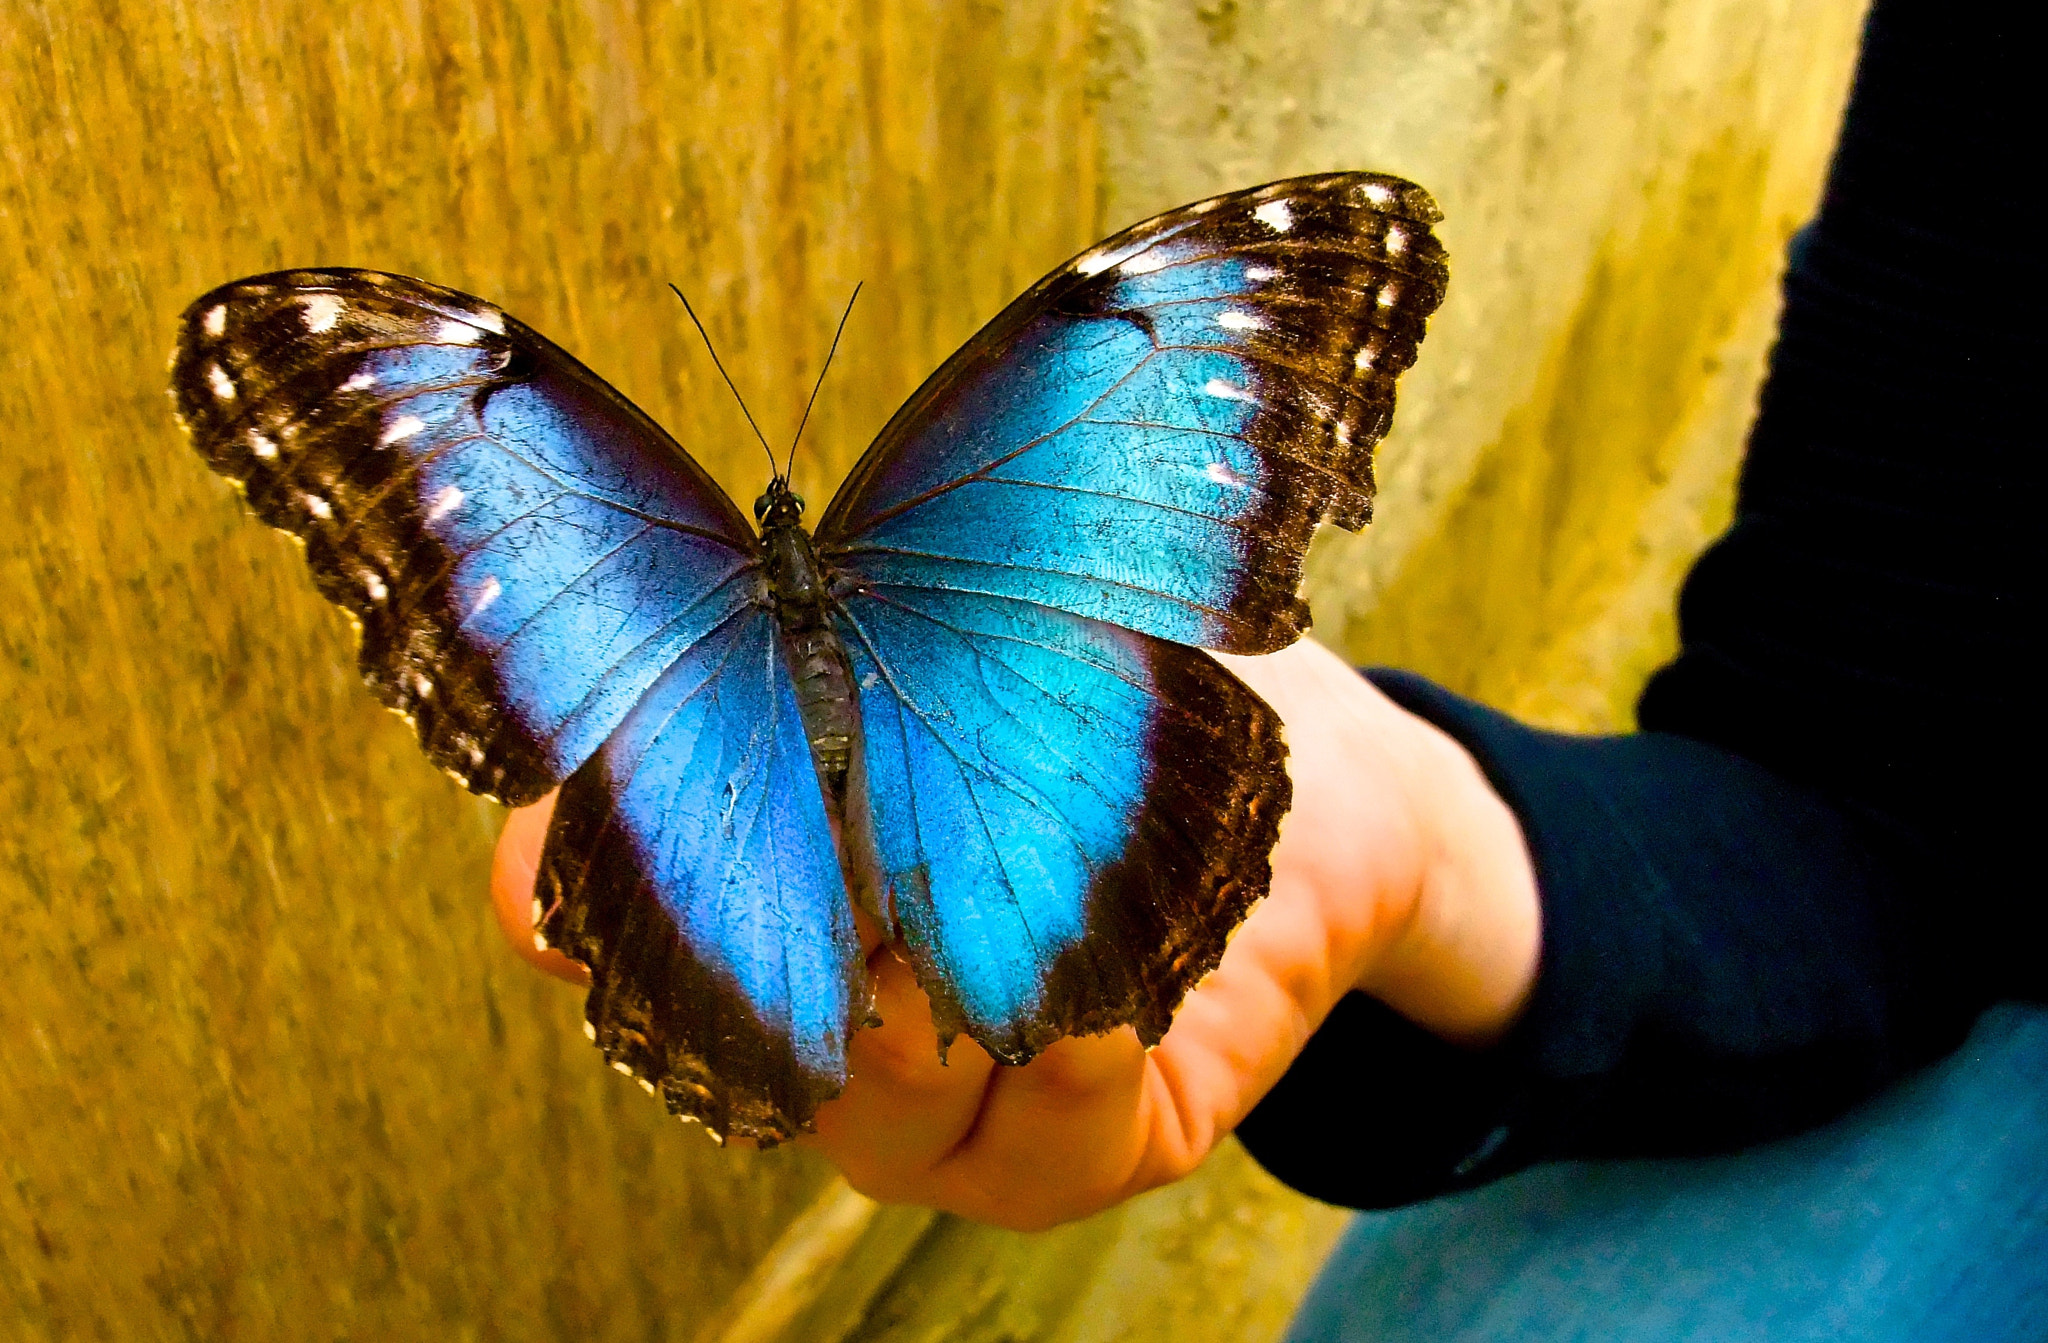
[801, 592]
[974, 700]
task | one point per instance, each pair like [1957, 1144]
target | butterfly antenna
[821, 377]
[729, 383]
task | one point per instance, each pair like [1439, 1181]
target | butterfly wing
[540, 571]
[690, 865]
[1073, 816]
[1151, 434]
[1073, 807]
[524, 550]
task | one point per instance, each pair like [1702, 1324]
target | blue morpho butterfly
[984, 665]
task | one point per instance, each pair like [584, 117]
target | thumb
[514, 868]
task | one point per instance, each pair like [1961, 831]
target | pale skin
[1398, 871]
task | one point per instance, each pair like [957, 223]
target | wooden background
[266, 1071]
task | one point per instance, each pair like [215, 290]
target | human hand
[1398, 871]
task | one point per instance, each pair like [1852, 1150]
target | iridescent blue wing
[1073, 808]
[524, 550]
[1072, 816]
[690, 865]
[539, 571]
[1151, 434]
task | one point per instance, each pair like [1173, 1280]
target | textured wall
[265, 1071]
[1618, 178]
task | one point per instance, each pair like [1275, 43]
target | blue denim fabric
[1922, 1215]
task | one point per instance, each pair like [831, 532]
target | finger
[514, 866]
[1123, 1120]
[902, 1110]
[1236, 1034]
[1064, 1136]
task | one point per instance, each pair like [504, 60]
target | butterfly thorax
[799, 591]
[796, 582]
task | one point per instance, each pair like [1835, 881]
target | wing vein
[1016, 787]
[971, 639]
[656, 634]
[1026, 568]
[917, 500]
[526, 621]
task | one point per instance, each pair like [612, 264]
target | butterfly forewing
[523, 549]
[1151, 434]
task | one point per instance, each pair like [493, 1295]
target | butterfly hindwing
[1072, 817]
[510, 533]
[690, 865]
[1151, 434]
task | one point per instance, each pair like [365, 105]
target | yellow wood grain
[268, 1071]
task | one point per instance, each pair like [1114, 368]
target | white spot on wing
[1389, 295]
[589, 1029]
[1377, 194]
[869, 681]
[216, 319]
[1230, 319]
[621, 1066]
[1228, 391]
[317, 506]
[486, 595]
[359, 380]
[446, 502]
[1275, 215]
[491, 320]
[1363, 359]
[1093, 264]
[261, 446]
[646, 1086]
[322, 312]
[1221, 473]
[1397, 242]
[400, 429]
[422, 685]
[457, 333]
[223, 386]
[375, 586]
[1260, 274]
[1144, 263]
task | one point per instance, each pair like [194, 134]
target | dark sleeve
[1801, 878]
